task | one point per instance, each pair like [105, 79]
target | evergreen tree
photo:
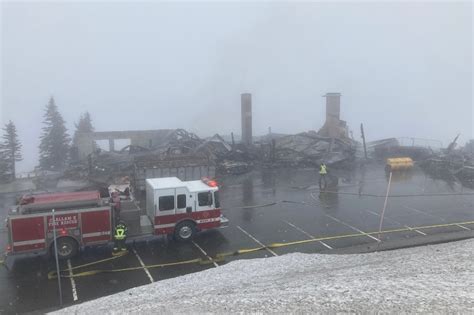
[83, 125]
[54, 146]
[4, 174]
[11, 149]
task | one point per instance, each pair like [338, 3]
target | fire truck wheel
[67, 247]
[184, 231]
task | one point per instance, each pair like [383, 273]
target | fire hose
[221, 256]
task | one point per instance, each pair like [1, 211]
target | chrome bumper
[224, 222]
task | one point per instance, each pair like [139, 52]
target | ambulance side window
[166, 203]
[205, 199]
[181, 201]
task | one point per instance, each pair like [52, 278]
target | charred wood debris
[222, 155]
[452, 163]
[184, 149]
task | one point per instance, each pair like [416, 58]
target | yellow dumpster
[399, 164]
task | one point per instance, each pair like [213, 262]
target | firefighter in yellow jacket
[120, 236]
[323, 171]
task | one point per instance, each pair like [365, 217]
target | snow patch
[437, 278]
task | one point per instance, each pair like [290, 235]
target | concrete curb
[402, 243]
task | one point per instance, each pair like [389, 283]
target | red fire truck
[173, 207]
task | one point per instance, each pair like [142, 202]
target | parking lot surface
[264, 207]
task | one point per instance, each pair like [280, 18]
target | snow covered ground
[437, 278]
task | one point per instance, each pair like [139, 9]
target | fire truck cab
[181, 208]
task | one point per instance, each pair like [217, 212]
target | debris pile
[466, 175]
[309, 149]
[185, 155]
[452, 164]
[215, 147]
[469, 149]
[379, 147]
[184, 166]
[180, 153]
[234, 167]
[385, 148]
[450, 167]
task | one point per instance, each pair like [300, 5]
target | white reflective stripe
[164, 226]
[31, 242]
[93, 234]
[208, 220]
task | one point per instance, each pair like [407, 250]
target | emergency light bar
[209, 182]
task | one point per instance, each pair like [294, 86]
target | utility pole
[272, 153]
[385, 204]
[363, 139]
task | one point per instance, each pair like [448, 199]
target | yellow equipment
[399, 164]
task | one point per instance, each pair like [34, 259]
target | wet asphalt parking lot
[264, 207]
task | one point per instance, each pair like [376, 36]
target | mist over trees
[10, 152]
[55, 141]
[3, 168]
[82, 126]
[55, 146]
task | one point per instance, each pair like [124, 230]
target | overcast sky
[404, 69]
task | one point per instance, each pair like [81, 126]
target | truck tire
[67, 247]
[184, 231]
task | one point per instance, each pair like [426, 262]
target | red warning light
[63, 232]
[212, 183]
[209, 182]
